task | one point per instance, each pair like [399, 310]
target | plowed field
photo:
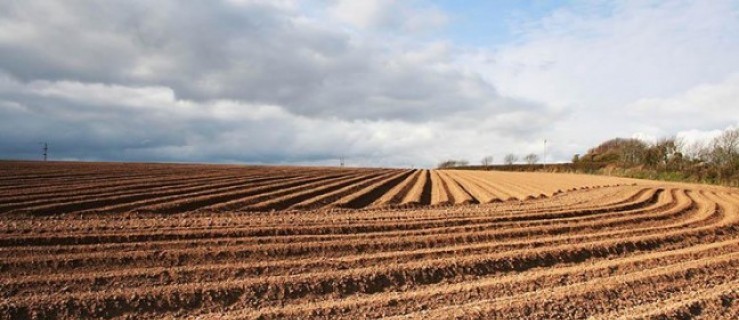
[97, 240]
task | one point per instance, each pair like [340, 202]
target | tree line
[487, 161]
[715, 161]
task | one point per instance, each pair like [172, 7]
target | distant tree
[510, 159]
[724, 154]
[618, 150]
[576, 158]
[696, 152]
[669, 153]
[446, 164]
[671, 158]
[452, 164]
[631, 152]
[487, 161]
[726, 148]
[531, 158]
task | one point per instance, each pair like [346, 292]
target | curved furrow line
[49, 200]
[527, 189]
[420, 193]
[440, 195]
[482, 288]
[197, 191]
[366, 196]
[65, 176]
[96, 222]
[304, 231]
[207, 200]
[125, 199]
[294, 250]
[157, 197]
[166, 276]
[122, 175]
[459, 195]
[349, 229]
[103, 189]
[396, 194]
[715, 301]
[283, 199]
[347, 282]
[351, 192]
[225, 272]
[502, 194]
[480, 193]
[637, 286]
[356, 230]
[326, 198]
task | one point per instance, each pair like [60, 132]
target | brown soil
[132, 241]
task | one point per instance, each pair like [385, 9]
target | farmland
[106, 240]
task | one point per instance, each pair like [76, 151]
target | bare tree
[487, 161]
[725, 154]
[452, 164]
[510, 159]
[633, 152]
[696, 152]
[531, 158]
[664, 150]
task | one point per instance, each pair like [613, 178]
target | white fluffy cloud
[614, 53]
[624, 68]
[406, 16]
[700, 107]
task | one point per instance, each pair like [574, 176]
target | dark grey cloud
[219, 50]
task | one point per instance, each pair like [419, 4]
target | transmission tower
[46, 150]
[341, 161]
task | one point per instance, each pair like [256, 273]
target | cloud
[242, 81]
[703, 106]
[622, 68]
[115, 122]
[703, 137]
[610, 54]
[405, 16]
[252, 51]
[305, 82]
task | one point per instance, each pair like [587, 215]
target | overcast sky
[383, 83]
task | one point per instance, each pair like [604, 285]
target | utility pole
[341, 161]
[545, 154]
[46, 150]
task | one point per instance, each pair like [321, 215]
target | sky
[380, 83]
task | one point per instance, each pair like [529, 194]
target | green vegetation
[670, 159]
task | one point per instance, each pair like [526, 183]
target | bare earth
[148, 241]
